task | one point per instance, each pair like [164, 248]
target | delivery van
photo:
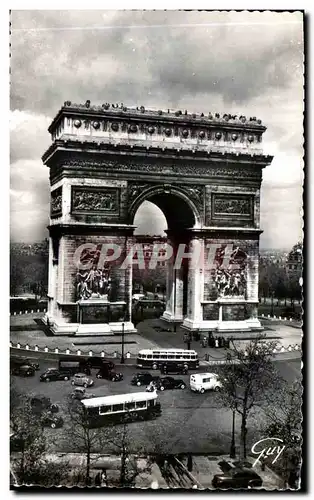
[201, 382]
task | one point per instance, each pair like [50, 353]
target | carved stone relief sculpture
[231, 281]
[105, 200]
[95, 283]
[232, 205]
[134, 190]
[56, 202]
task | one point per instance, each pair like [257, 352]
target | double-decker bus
[121, 408]
[154, 358]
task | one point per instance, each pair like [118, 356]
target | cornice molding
[83, 146]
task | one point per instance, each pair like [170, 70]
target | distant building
[294, 262]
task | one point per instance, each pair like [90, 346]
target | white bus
[122, 408]
[154, 358]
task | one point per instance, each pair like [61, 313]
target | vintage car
[165, 383]
[237, 478]
[49, 419]
[108, 374]
[143, 379]
[40, 404]
[82, 379]
[54, 374]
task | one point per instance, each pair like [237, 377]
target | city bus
[121, 408]
[154, 358]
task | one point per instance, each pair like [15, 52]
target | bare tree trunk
[87, 466]
[22, 467]
[123, 469]
[243, 437]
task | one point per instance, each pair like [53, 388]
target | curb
[79, 352]
[115, 355]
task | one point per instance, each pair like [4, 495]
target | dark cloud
[171, 54]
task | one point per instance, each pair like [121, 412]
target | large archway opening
[164, 217]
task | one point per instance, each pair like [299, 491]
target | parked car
[42, 403]
[99, 362]
[23, 371]
[51, 420]
[17, 362]
[80, 393]
[166, 383]
[16, 443]
[237, 478]
[54, 374]
[82, 379]
[143, 379]
[201, 382]
[104, 372]
[173, 367]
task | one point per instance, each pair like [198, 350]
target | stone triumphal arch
[203, 171]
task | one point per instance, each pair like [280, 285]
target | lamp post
[232, 446]
[175, 300]
[187, 340]
[122, 354]
[272, 304]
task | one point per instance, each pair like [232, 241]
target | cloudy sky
[237, 62]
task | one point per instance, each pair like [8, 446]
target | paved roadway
[189, 421]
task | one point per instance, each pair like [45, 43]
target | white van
[201, 382]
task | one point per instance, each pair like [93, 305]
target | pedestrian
[216, 342]
[98, 479]
[190, 463]
[103, 478]
[211, 340]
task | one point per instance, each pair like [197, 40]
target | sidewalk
[289, 341]
[150, 475]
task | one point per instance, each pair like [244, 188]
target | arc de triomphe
[205, 174]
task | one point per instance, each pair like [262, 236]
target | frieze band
[194, 169]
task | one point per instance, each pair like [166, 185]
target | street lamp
[272, 304]
[232, 446]
[122, 354]
[187, 340]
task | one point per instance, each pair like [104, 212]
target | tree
[28, 445]
[17, 276]
[150, 278]
[284, 421]
[27, 438]
[248, 378]
[82, 436]
[122, 442]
